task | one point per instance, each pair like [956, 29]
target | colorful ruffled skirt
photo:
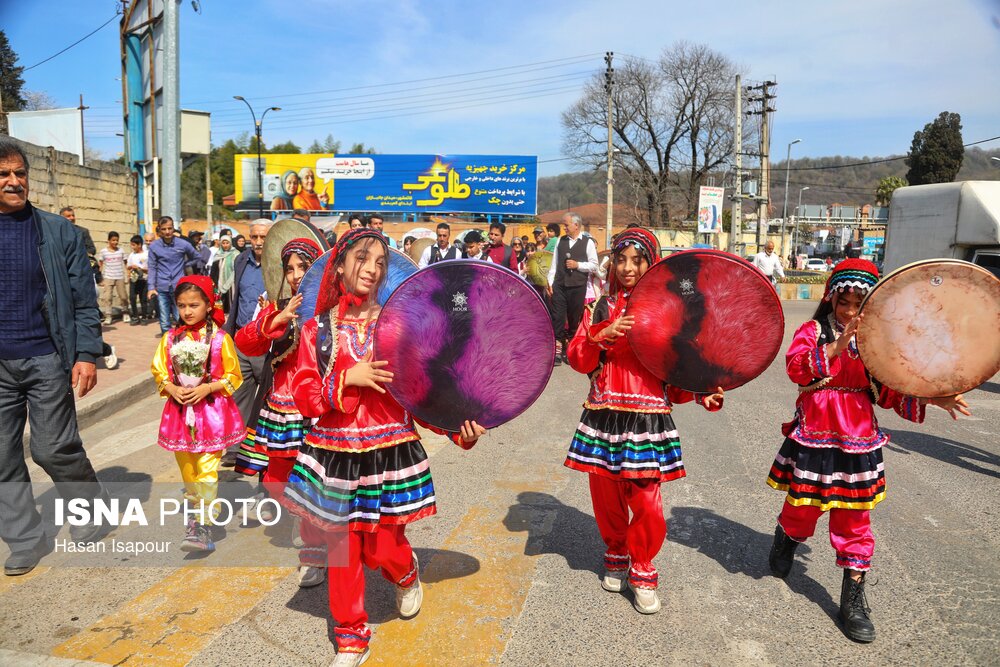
[279, 432]
[626, 445]
[359, 490]
[828, 477]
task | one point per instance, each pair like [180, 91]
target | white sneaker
[126, 319]
[107, 321]
[111, 361]
[645, 600]
[310, 576]
[408, 600]
[613, 581]
[255, 509]
[346, 659]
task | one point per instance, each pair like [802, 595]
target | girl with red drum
[626, 439]
[361, 475]
[831, 459]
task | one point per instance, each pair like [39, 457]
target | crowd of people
[302, 403]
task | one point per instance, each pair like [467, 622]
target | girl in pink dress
[831, 459]
[200, 419]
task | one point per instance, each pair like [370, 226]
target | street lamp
[260, 172]
[795, 231]
[784, 208]
[995, 158]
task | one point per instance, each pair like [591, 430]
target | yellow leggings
[200, 472]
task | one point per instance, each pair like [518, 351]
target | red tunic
[834, 407]
[256, 338]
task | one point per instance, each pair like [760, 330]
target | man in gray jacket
[50, 336]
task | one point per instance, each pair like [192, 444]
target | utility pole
[735, 225]
[765, 150]
[784, 207]
[609, 83]
[208, 193]
[82, 143]
[170, 203]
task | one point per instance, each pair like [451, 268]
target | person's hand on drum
[839, 345]
[616, 329]
[471, 432]
[713, 401]
[368, 374]
[288, 314]
[951, 405]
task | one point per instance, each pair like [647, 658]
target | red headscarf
[205, 284]
[640, 238]
[332, 291]
[851, 275]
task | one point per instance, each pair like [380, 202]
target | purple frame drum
[450, 333]
[705, 319]
[401, 267]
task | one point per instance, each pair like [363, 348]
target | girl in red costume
[626, 439]
[361, 474]
[831, 459]
[271, 446]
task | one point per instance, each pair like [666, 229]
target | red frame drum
[932, 328]
[705, 319]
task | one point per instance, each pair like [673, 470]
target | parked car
[816, 264]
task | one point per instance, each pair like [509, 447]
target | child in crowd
[626, 440]
[831, 459]
[361, 474]
[197, 370]
[271, 446]
[111, 261]
[138, 270]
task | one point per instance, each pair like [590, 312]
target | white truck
[954, 220]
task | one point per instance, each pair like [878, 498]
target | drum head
[278, 235]
[537, 268]
[418, 247]
[932, 328]
[705, 319]
[400, 268]
[451, 333]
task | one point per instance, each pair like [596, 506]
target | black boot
[854, 610]
[782, 553]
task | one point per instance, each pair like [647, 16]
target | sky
[855, 77]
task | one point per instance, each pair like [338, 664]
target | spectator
[769, 263]
[50, 337]
[474, 246]
[552, 237]
[138, 269]
[500, 253]
[88, 242]
[240, 243]
[154, 307]
[541, 238]
[112, 266]
[223, 269]
[574, 260]
[441, 248]
[376, 222]
[200, 265]
[407, 242]
[355, 221]
[168, 258]
[301, 214]
[520, 256]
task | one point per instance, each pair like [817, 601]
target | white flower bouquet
[188, 358]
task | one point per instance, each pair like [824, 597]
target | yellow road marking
[468, 620]
[175, 619]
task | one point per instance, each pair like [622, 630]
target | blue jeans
[38, 390]
[168, 309]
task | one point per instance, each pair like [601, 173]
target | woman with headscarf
[307, 198]
[289, 188]
[223, 268]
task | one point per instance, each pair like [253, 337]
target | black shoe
[782, 553]
[88, 533]
[228, 460]
[565, 357]
[854, 610]
[558, 361]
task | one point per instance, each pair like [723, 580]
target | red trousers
[850, 532]
[632, 544]
[386, 549]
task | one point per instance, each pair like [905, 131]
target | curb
[92, 409]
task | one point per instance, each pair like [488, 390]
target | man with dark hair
[474, 246]
[200, 265]
[50, 337]
[168, 256]
[498, 252]
[442, 249]
[88, 242]
[574, 260]
[552, 236]
[355, 221]
[376, 222]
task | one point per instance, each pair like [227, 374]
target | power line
[882, 161]
[72, 45]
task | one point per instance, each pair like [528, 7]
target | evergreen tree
[936, 152]
[11, 83]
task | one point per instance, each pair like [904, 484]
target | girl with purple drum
[361, 475]
[626, 439]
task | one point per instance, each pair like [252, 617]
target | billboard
[60, 128]
[710, 210]
[488, 184]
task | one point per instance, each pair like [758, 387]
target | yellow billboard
[287, 181]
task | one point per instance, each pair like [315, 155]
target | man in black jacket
[50, 336]
[574, 260]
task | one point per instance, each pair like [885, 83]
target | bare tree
[37, 100]
[672, 122]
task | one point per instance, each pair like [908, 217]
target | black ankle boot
[782, 553]
[854, 610]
